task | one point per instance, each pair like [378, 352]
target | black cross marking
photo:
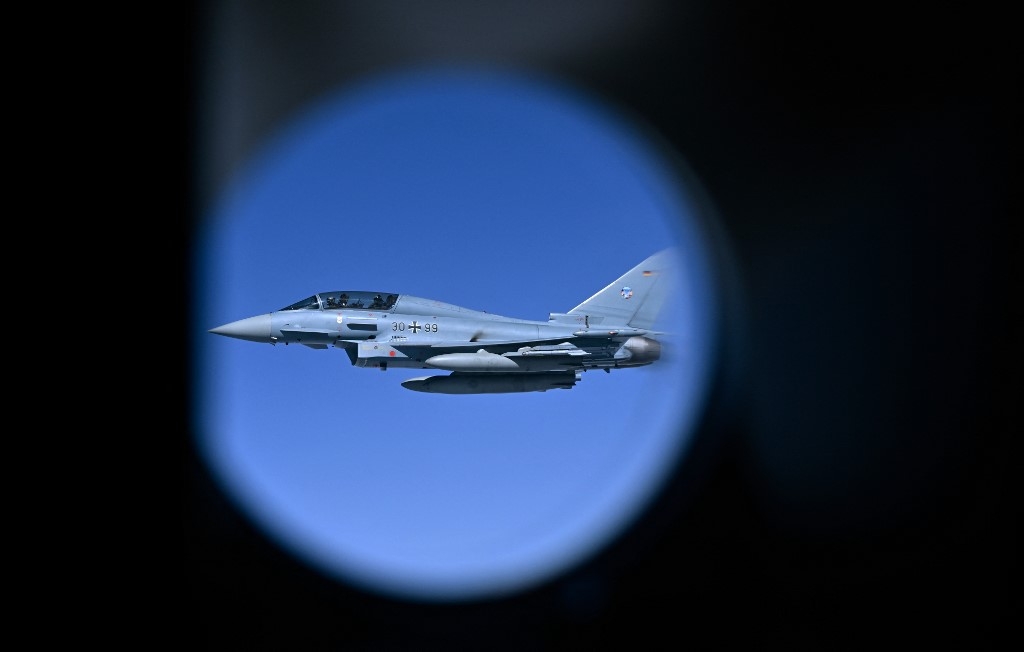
[414, 327]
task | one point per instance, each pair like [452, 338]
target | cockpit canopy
[346, 299]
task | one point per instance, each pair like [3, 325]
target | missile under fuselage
[493, 383]
[479, 361]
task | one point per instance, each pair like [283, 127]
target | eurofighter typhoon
[485, 353]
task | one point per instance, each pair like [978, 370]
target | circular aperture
[497, 193]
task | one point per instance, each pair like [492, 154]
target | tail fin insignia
[635, 298]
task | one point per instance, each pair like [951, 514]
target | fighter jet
[485, 353]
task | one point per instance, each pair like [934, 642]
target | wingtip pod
[634, 299]
[493, 383]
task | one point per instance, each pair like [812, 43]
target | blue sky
[498, 193]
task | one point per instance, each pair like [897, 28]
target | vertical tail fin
[635, 298]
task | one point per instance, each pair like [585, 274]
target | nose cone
[254, 329]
